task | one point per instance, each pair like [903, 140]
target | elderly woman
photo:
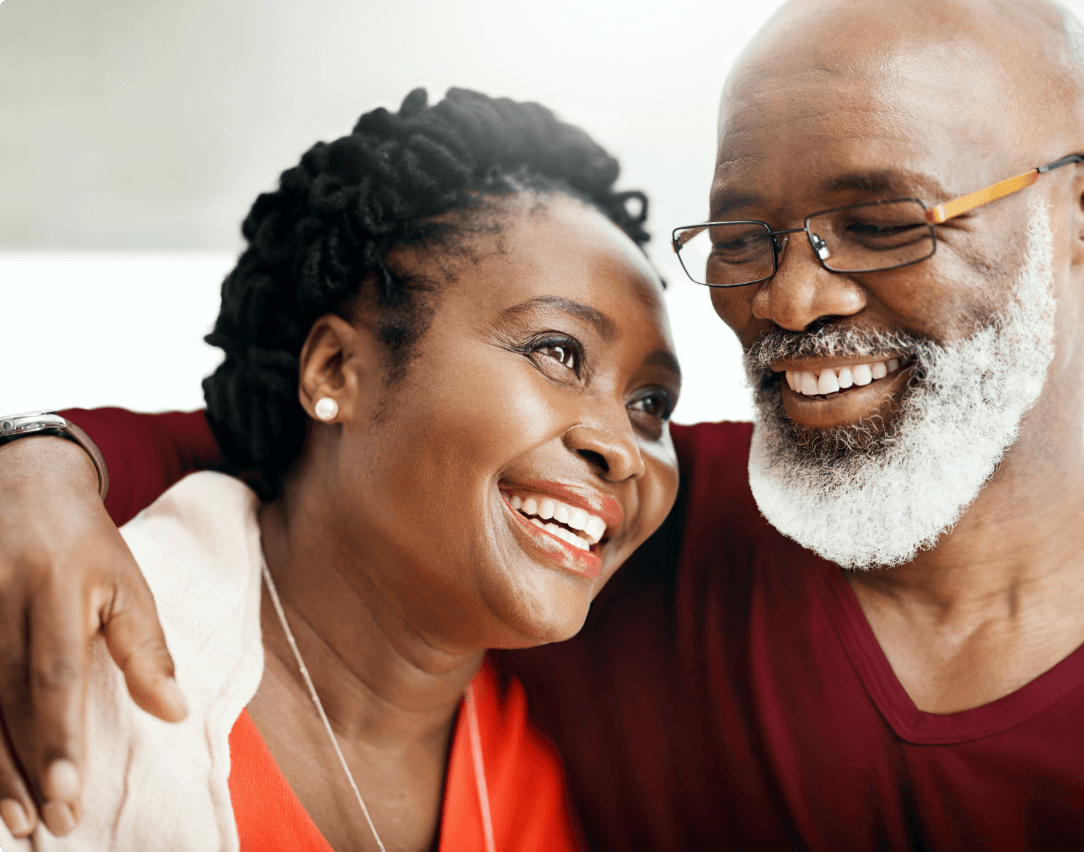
[448, 376]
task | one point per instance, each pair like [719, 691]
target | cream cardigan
[150, 785]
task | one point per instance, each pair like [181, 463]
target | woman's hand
[65, 574]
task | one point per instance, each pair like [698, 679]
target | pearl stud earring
[326, 408]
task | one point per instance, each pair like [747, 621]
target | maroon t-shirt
[727, 692]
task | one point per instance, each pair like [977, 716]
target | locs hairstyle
[326, 231]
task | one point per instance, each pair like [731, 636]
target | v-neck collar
[895, 705]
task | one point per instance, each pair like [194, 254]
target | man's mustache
[826, 341]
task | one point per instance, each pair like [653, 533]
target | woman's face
[525, 454]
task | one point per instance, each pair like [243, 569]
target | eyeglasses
[874, 236]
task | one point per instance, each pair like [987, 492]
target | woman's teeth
[834, 379]
[541, 509]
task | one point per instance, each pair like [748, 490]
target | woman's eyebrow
[602, 323]
[666, 360]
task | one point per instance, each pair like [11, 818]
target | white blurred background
[134, 135]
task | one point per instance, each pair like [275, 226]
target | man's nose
[802, 291]
[609, 445]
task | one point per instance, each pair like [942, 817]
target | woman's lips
[566, 525]
[602, 505]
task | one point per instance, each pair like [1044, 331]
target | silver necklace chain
[472, 724]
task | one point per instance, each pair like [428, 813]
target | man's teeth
[834, 379]
[540, 509]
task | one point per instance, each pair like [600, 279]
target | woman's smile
[566, 526]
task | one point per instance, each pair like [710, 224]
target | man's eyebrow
[877, 184]
[722, 204]
[602, 323]
[885, 182]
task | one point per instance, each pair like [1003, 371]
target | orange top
[523, 774]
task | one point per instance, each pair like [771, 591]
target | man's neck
[1000, 599]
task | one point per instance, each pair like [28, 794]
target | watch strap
[51, 423]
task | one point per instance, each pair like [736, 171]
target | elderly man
[877, 643]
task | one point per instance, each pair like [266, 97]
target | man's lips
[823, 395]
[824, 377]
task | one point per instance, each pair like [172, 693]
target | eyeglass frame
[936, 215]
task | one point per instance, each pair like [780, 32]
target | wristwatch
[14, 426]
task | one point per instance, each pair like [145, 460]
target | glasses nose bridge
[779, 245]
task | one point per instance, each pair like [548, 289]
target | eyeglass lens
[859, 238]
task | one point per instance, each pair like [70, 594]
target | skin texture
[393, 548]
[397, 559]
[839, 102]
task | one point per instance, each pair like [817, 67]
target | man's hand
[65, 574]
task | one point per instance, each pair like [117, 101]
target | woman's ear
[339, 370]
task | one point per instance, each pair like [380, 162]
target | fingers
[56, 675]
[138, 647]
[17, 808]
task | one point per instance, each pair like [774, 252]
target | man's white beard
[865, 498]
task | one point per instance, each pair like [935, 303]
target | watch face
[30, 421]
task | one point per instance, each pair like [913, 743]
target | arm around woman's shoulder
[146, 453]
[65, 575]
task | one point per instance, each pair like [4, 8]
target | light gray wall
[153, 124]
[150, 125]
[135, 126]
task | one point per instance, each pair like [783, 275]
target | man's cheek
[734, 305]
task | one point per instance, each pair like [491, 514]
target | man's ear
[342, 361]
[1077, 217]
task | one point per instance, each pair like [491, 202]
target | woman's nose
[802, 291]
[609, 446]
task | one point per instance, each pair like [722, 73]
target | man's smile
[825, 381]
[823, 396]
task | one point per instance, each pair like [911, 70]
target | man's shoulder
[705, 444]
[714, 463]
[715, 525]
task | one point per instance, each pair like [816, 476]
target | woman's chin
[541, 625]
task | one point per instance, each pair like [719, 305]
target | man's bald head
[1010, 72]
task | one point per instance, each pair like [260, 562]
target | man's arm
[146, 453]
[65, 574]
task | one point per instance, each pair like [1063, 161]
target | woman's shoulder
[198, 546]
[203, 511]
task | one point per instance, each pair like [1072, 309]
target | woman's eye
[657, 404]
[561, 353]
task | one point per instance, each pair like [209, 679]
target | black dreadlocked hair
[326, 232]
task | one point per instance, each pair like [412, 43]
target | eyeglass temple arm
[676, 242]
[950, 209]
